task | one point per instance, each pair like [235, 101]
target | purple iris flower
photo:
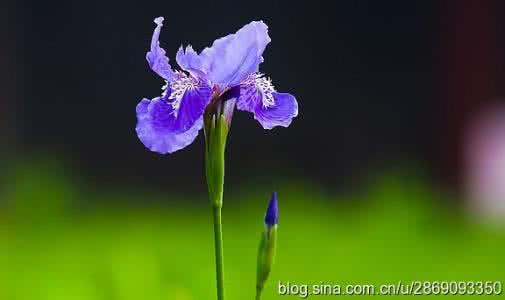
[226, 71]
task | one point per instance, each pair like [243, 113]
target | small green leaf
[266, 257]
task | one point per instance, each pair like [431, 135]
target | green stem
[218, 241]
[258, 294]
[216, 129]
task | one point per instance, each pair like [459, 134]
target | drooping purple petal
[250, 97]
[279, 114]
[189, 98]
[156, 57]
[152, 119]
[230, 59]
[270, 108]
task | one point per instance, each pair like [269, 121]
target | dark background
[373, 80]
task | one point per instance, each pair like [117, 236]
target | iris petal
[249, 98]
[152, 130]
[230, 59]
[190, 61]
[258, 95]
[279, 114]
[156, 57]
[191, 105]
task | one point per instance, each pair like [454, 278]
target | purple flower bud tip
[272, 215]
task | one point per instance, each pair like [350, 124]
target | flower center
[265, 86]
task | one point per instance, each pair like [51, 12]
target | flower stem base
[218, 242]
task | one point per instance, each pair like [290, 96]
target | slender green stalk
[218, 242]
[216, 130]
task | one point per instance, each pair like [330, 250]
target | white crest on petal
[179, 87]
[264, 85]
[164, 88]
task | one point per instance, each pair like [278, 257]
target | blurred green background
[62, 239]
[393, 171]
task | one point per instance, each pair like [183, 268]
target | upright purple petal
[156, 57]
[152, 130]
[190, 61]
[279, 114]
[230, 59]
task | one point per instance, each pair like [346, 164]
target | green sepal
[216, 131]
[266, 257]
